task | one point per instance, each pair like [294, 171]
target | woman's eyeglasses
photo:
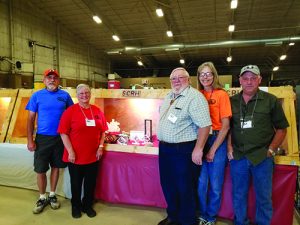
[206, 74]
[84, 93]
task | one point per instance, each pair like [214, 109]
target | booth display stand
[129, 174]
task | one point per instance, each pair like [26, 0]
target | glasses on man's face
[206, 74]
[180, 78]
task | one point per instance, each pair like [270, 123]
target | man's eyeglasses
[207, 74]
[181, 78]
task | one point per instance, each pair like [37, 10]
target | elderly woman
[82, 128]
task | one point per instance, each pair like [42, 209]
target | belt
[179, 143]
[215, 132]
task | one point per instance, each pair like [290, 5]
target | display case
[131, 108]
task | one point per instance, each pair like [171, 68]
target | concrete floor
[16, 209]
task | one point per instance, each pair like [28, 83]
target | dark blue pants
[178, 178]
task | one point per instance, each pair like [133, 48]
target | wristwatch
[272, 152]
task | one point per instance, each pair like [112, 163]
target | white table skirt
[16, 170]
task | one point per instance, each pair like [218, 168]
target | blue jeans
[262, 174]
[178, 178]
[211, 181]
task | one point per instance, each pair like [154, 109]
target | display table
[131, 178]
[16, 169]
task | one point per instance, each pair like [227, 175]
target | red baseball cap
[51, 72]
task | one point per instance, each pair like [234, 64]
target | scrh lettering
[131, 93]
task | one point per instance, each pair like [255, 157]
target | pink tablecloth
[134, 179]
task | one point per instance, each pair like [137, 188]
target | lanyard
[210, 101]
[85, 115]
[244, 114]
[171, 103]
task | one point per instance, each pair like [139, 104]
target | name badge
[172, 118]
[90, 123]
[246, 124]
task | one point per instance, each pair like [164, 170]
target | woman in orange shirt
[215, 157]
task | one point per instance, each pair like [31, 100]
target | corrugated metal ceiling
[194, 23]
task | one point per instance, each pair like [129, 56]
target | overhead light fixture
[282, 57]
[159, 12]
[140, 63]
[231, 28]
[169, 33]
[182, 61]
[291, 43]
[128, 48]
[113, 52]
[115, 37]
[229, 58]
[276, 68]
[273, 43]
[233, 4]
[171, 49]
[97, 19]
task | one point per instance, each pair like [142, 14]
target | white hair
[80, 86]
[180, 68]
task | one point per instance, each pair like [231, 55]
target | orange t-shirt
[219, 106]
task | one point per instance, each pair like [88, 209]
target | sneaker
[90, 212]
[202, 221]
[40, 205]
[53, 202]
[210, 223]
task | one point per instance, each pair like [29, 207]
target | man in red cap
[51, 72]
[48, 104]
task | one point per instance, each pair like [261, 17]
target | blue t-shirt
[49, 107]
